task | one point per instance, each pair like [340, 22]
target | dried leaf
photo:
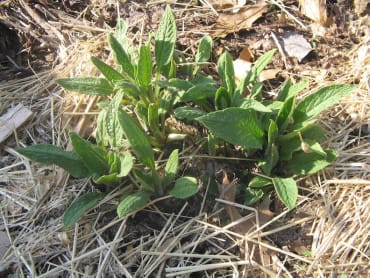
[243, 19]
[314, 9]
[268, 74]
[227, 4]
[295, 45]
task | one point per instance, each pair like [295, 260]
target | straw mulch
[327, 235]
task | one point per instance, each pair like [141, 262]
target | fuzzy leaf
[225, 69]
[198, 92]
[184, 187]
[170, 170]
[285, 114]
[109, 73]
[144, 66]
[137, 139]
[121, 56]
[133, 202]
[235, 125]
[188, 112]
[93, 157]
[222, 99]
[287, 190]
[165, 39]
[321, 100]
[309, 163]
[204, 50]
[50, 154]
[80, 206]
[111, 122]
[126, 164]
[87, 85]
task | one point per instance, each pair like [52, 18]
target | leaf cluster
[151, 83]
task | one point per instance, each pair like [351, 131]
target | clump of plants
[151, 83]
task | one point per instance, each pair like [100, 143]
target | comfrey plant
[142, 91]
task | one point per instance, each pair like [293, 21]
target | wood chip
[12, 119]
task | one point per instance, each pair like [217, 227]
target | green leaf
[271, 157]
[102, 137]
[287, 147]
[184, 188]
[87, 85]
[256, 70]
[170, 170]
[188, 112]
[93, 157]
[225, 69]
[165, 39]
[249, 103]
[287, 190]
[285, 114]
[288, 90]
[111, 122]
[222, 99]
[128, 89]
[204, 50]
[153, 121]
[137, 139]
[259, 182]
[198, 92]
[50, 154]
[126, 164]
[110, 179]
[315, 147]
[252, 196]
[144, 66]
[133, 202]
[309, 163]
[235, 125]
[109, 73]
[321, 100]
[80, 206]
[121, 56]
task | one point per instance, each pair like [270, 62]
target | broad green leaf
[126, 164]
[113, 161]
[204, 50]
[222, 99]
[93, 157]
[287, 190]
[144, 67]
[111, 122]
[249, 103]
[50, 154]
[315, 147]
[309, 163]
[121, 56]
[145, 180]
[184, 188]
[288, 90]
[235, 125]
[133, 202]
[285, 114]
[170, 170]
[198, 92]
[80, 206]
[87, 85]
[137, 139]
[225, 69]
[121, 33]
[109, 73]
[296, 129]
[321, 100]
[288, 147]
[165, 39]
[252, 196]
[259, 182]
[179, 84]
[110, 179]
[188, 112]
